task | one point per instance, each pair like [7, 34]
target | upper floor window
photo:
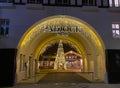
[114, 3]
[89, 2]
[35, 1]
[62, 2]
[6, 1]
[4, 27]
[116, 30]
[115, 26]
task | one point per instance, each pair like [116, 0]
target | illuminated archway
[71, 29]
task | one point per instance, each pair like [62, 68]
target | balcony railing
[34, 1]
[68, 3]
[4, 3]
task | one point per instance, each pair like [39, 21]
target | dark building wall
[8, 67]
[113, 65]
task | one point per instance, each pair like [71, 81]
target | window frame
[114, 3]
[116, 30]
[89, 2]
[6, 1]
[62, 2]
[35, 1]
[4, 27]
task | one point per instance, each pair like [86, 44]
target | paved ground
[63, 77]
[66, 85]
[64, 80]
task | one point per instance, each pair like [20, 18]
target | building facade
[28, 27]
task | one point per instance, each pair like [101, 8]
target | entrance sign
[63, 27]
[61, 30]
[60, 26]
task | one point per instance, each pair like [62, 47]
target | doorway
[76, 33]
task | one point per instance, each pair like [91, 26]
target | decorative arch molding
[84, 29]
[68, 28]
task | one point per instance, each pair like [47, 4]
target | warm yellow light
[87, 41]
[38, 29]
[49, 40]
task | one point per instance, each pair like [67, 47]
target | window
[6, 1]
[115, 26]
[35, 1]
[58, 1]
[89, 2]
[4, 27]
[66, 1]
[114, 3]
[116, 30]
[62, 2]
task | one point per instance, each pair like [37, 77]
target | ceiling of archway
[80, 33]
[51, 48]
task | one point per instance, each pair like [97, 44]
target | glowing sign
[61, 29]
[60, 26]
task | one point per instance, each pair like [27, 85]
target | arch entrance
[74, 33]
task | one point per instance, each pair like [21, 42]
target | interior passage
[63, 77]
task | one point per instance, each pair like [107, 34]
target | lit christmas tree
[60, 62]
